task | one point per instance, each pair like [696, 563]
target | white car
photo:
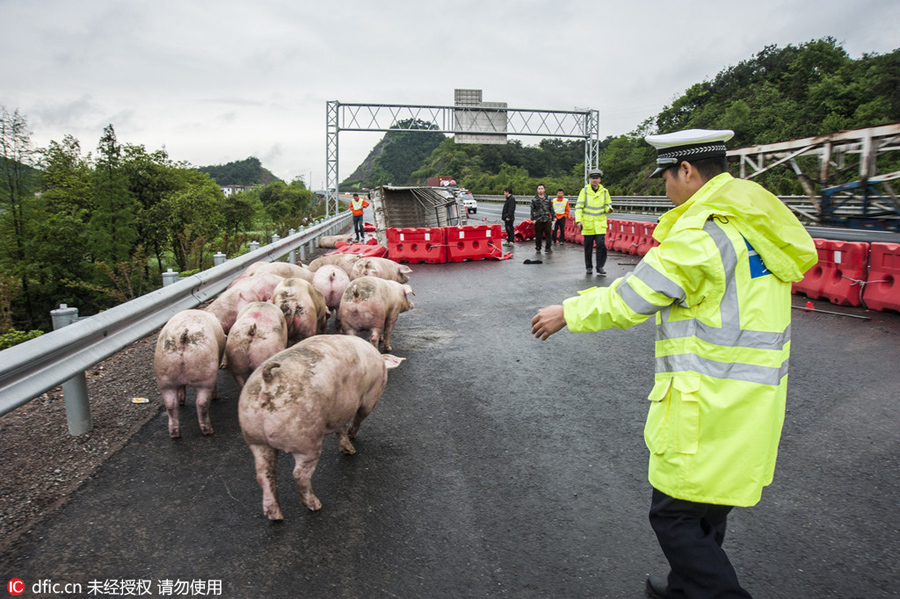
[468, 200]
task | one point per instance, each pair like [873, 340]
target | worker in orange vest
[560, 213]
[356, 208]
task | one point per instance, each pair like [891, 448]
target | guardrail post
[78, 407]
[219, 258]
[254, 245]
[275, 239]
[292, 255]
[169, 277]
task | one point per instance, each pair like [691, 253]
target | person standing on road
[720, 286]
[591, 208]
[542, 216]
[560, 214]
[356, 208]
[508, 216]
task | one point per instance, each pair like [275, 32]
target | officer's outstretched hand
[548, 321]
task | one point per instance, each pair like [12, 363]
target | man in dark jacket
[508, 216]
[542, 215]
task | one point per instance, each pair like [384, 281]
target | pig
[373, 304]
[258, 288]
[188, 352]
[282, 269]
[298, 396]
[382, 268]
[343, 261]
[331, 281]
[259, 333]
[331, 241]
[303, 307]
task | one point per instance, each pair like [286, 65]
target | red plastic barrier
[417, 245]
[473, 242]
[882, 292]
[362, 249]
[369, 227]
[844, 270]
[645, 240]
[813, 281]
[613, 232]
[627, 240]
[525, 230]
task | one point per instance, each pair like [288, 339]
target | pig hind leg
[173, 397]
[304, 466]
[265, 459]
[204, 394]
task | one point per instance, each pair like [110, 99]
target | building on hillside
[230, 190]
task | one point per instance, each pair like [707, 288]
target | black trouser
[588, 251]
[559, 230]
[510, 231]
[358, 228]
[542, 231]
[691, 536]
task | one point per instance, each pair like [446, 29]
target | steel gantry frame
[870, 201]
[477, 120]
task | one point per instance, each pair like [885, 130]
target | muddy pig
[381, 268]
[325, 384]
[259, 333]
[331, 241]
[257, 288]
[373, 304]
[331, 281]
[188, 351]
[282, 269]
[303, 307]
[343, 261]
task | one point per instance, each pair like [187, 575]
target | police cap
[689, 145]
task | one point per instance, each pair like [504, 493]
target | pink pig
[258, 288]
[331, 281]
[343, 261]
[282, 269]
[381, 268]
[259, 333]
[298, 396]
[303, 307]
[373, 304]
[188, 351]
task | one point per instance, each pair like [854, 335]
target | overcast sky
[218, 81]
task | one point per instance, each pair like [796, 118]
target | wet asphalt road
[497, 465]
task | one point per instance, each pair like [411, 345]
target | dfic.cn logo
[15, 586]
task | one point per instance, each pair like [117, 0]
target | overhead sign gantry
[470, 120]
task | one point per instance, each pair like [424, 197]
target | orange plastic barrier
[417, 245]
[573, 233]
[882, 291]
[525, 230]
[473, 242]
[645, 240]
[840, 274]
[626, 242]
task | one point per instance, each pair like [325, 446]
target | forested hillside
[241, 172]
[777, 95]
[396, 156]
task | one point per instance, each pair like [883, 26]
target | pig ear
[405, 269]
[408, 289]
[391, 361]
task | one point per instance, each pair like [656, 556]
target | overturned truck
[414, 207]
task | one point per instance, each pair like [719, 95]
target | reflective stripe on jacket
[560, 207]
[357, 205]
[720, 286]
[590, 210]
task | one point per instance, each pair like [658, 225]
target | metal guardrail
[33, 367]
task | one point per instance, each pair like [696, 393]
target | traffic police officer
[719, 285]
[591, 208]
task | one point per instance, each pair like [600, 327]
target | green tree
[17, 202]
[113, 224]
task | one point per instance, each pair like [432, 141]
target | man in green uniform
[719, 284]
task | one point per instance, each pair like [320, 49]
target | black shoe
[601, 272]
[657, 587]
[589, 271]
[548, 250]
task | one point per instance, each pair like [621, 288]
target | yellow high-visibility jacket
[720, 286]
[591, 209]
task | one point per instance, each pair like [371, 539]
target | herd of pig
[297, 383]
